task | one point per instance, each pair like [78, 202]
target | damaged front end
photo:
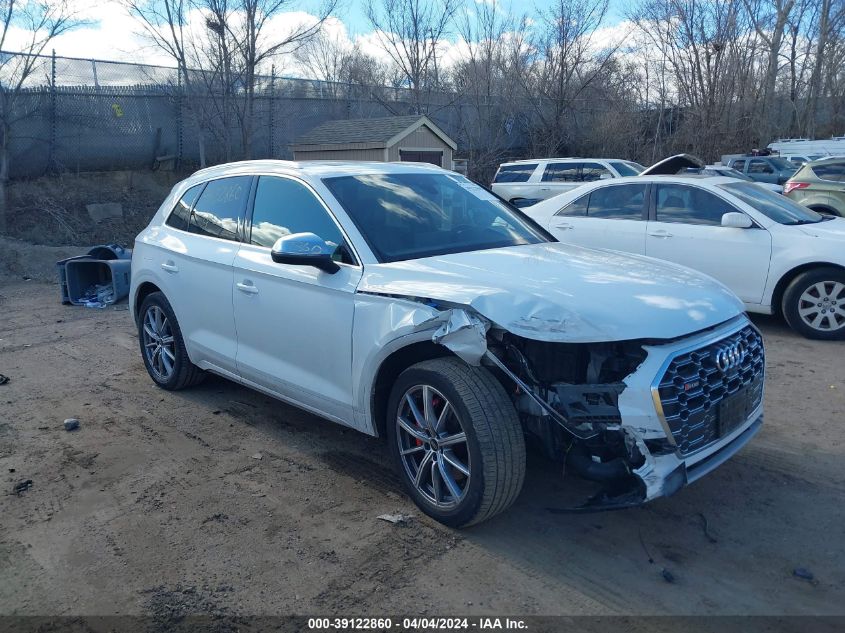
[567, 396]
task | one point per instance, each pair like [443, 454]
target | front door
[687, 229]
[294, 323]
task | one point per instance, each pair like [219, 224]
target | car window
[180, 217]
[220, 208]
[739, 165]
[682, 204]
[760, 167]
[284, 206]
[406, 216]
[591, 172]
[830, 171]
[797, 162]
[627, 168]
[515, 173]
[576, 208]
[617, 202]
[562, 172]
[773, 205]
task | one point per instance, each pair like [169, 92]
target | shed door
[433, 157]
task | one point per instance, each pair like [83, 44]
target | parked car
[820, 185]
[776, 255]
[771, 169]
[405, 301]
[526, 182]
[730, 172]
[834, 146]
[798, 160]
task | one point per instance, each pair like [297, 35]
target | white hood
[562, 292]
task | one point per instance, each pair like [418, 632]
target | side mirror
[304, 249]
[737, 220]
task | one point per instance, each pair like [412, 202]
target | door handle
[545, 188]
[170, 267]
[564, 226]
[661, 234]
[247, 287]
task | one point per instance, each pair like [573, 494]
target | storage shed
[399, 138]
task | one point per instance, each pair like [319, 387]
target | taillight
[792, 186]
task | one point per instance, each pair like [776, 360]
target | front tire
[814, 304]
[163, 347]
[456, 440]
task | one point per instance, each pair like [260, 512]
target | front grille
[693, 388]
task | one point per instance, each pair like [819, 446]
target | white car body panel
[319, 340]
[750, 262]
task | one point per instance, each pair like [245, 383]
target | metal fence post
[51, 160]
[272, 108]
[178, 120]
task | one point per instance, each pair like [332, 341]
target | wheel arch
[824, 209]
[389, 370]
[143, 291]
[789, 276]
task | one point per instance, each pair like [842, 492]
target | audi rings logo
[729, 357]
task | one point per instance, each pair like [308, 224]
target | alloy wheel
[822, 306]
[159, 345]
[433, 446]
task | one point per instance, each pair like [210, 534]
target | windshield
[782, 163]
[773, 205]
[627, 168]
[413, 215]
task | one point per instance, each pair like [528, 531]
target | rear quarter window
[834, 172]
[515, 173]
[180, 216]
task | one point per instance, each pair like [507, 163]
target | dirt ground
[159, 504]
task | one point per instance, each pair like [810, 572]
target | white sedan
[776, 255]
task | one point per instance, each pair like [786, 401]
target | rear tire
[463, 466]
[163, 347]
[814, 304]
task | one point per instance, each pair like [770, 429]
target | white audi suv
[405, 301]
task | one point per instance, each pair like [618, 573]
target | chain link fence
[88, 115]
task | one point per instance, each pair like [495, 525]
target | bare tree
[40, 22]
[411, 32]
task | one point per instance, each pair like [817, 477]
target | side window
[515, 173]
[284, 206]
[830, 171]
[759, 167]
[576, 208]
[618, 202]
[220, 209]
[681, 204]
[562, 172]
[739, 165]
[180, 217]
[591, 172]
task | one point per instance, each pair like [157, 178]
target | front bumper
[664, 475]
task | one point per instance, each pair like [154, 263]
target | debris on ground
[3, 379]
[668, 576]
[22, 486]
[395, 518]
[71, 424]
[706, 529]
[802, 573]
[258, 456]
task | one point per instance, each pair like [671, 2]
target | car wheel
[162, 345]
[814, 304]
[456, 440]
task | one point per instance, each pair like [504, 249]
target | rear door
[611, 216]
[196, 262]
[686, 228]
[762, 170]
[560, 177]
[294, 323]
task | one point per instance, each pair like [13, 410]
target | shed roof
[384, 131]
